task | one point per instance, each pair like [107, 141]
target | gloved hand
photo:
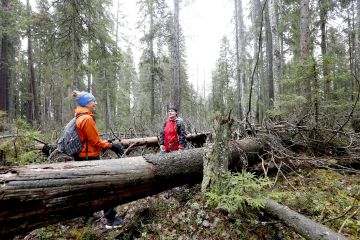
[46, 150]
[118, 149]
[162, 148]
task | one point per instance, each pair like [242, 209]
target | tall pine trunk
[238, 31]
[255, 18]
[351, 42]
[176, 60]
[33, 86]
[276, 67]
[269, 59]
[325, 68]
[152, 63]
[107, 102]
[357, 35]
[4, 62]
[305, 46]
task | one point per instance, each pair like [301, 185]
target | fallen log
[37, 195]
[197, 139]
[303, 225]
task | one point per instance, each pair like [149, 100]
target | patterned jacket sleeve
[181, 131]
[161, 139]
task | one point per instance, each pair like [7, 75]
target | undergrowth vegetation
[184, 213]
[19, 147]
[327, 196]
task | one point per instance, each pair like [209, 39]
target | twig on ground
[347, 219]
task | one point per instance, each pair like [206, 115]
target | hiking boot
[118, 222]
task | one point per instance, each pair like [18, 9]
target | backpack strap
[86, 142]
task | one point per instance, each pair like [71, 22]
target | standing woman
[92, 144]
[173, 136]
[87, 130]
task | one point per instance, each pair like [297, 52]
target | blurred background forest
[294, 60]
[287, 68]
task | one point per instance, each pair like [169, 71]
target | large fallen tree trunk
[37, 195]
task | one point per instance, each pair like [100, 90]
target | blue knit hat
[84, 99]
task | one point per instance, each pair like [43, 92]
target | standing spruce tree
[4, 61]
[10, 32]
[33, 111]
[240, 55]
[176, 56]
[153, 19]
[49, 65]
[221, 79]
[274, 84]
[80, 27]
[125, 89]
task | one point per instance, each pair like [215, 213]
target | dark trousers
[109, 213]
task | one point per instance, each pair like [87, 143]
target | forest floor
[324, 195]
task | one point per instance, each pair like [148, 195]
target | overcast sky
[204, 23]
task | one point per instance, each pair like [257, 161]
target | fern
[239, 192]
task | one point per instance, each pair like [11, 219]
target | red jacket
[173, 135]
[88, 131]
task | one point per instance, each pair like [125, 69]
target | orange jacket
[88, 131]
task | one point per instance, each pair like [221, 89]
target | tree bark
[218, 162]
[325, 68]
[276, 67]
[305, 87]
[152, 62]
[352, 56]
[36, 195]
[269, 60]
[302, 225]
[357, 38]
[238, 31]
[4, 61]
[35, 106]
[176, 57]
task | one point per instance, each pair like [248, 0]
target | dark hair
[172, 107]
